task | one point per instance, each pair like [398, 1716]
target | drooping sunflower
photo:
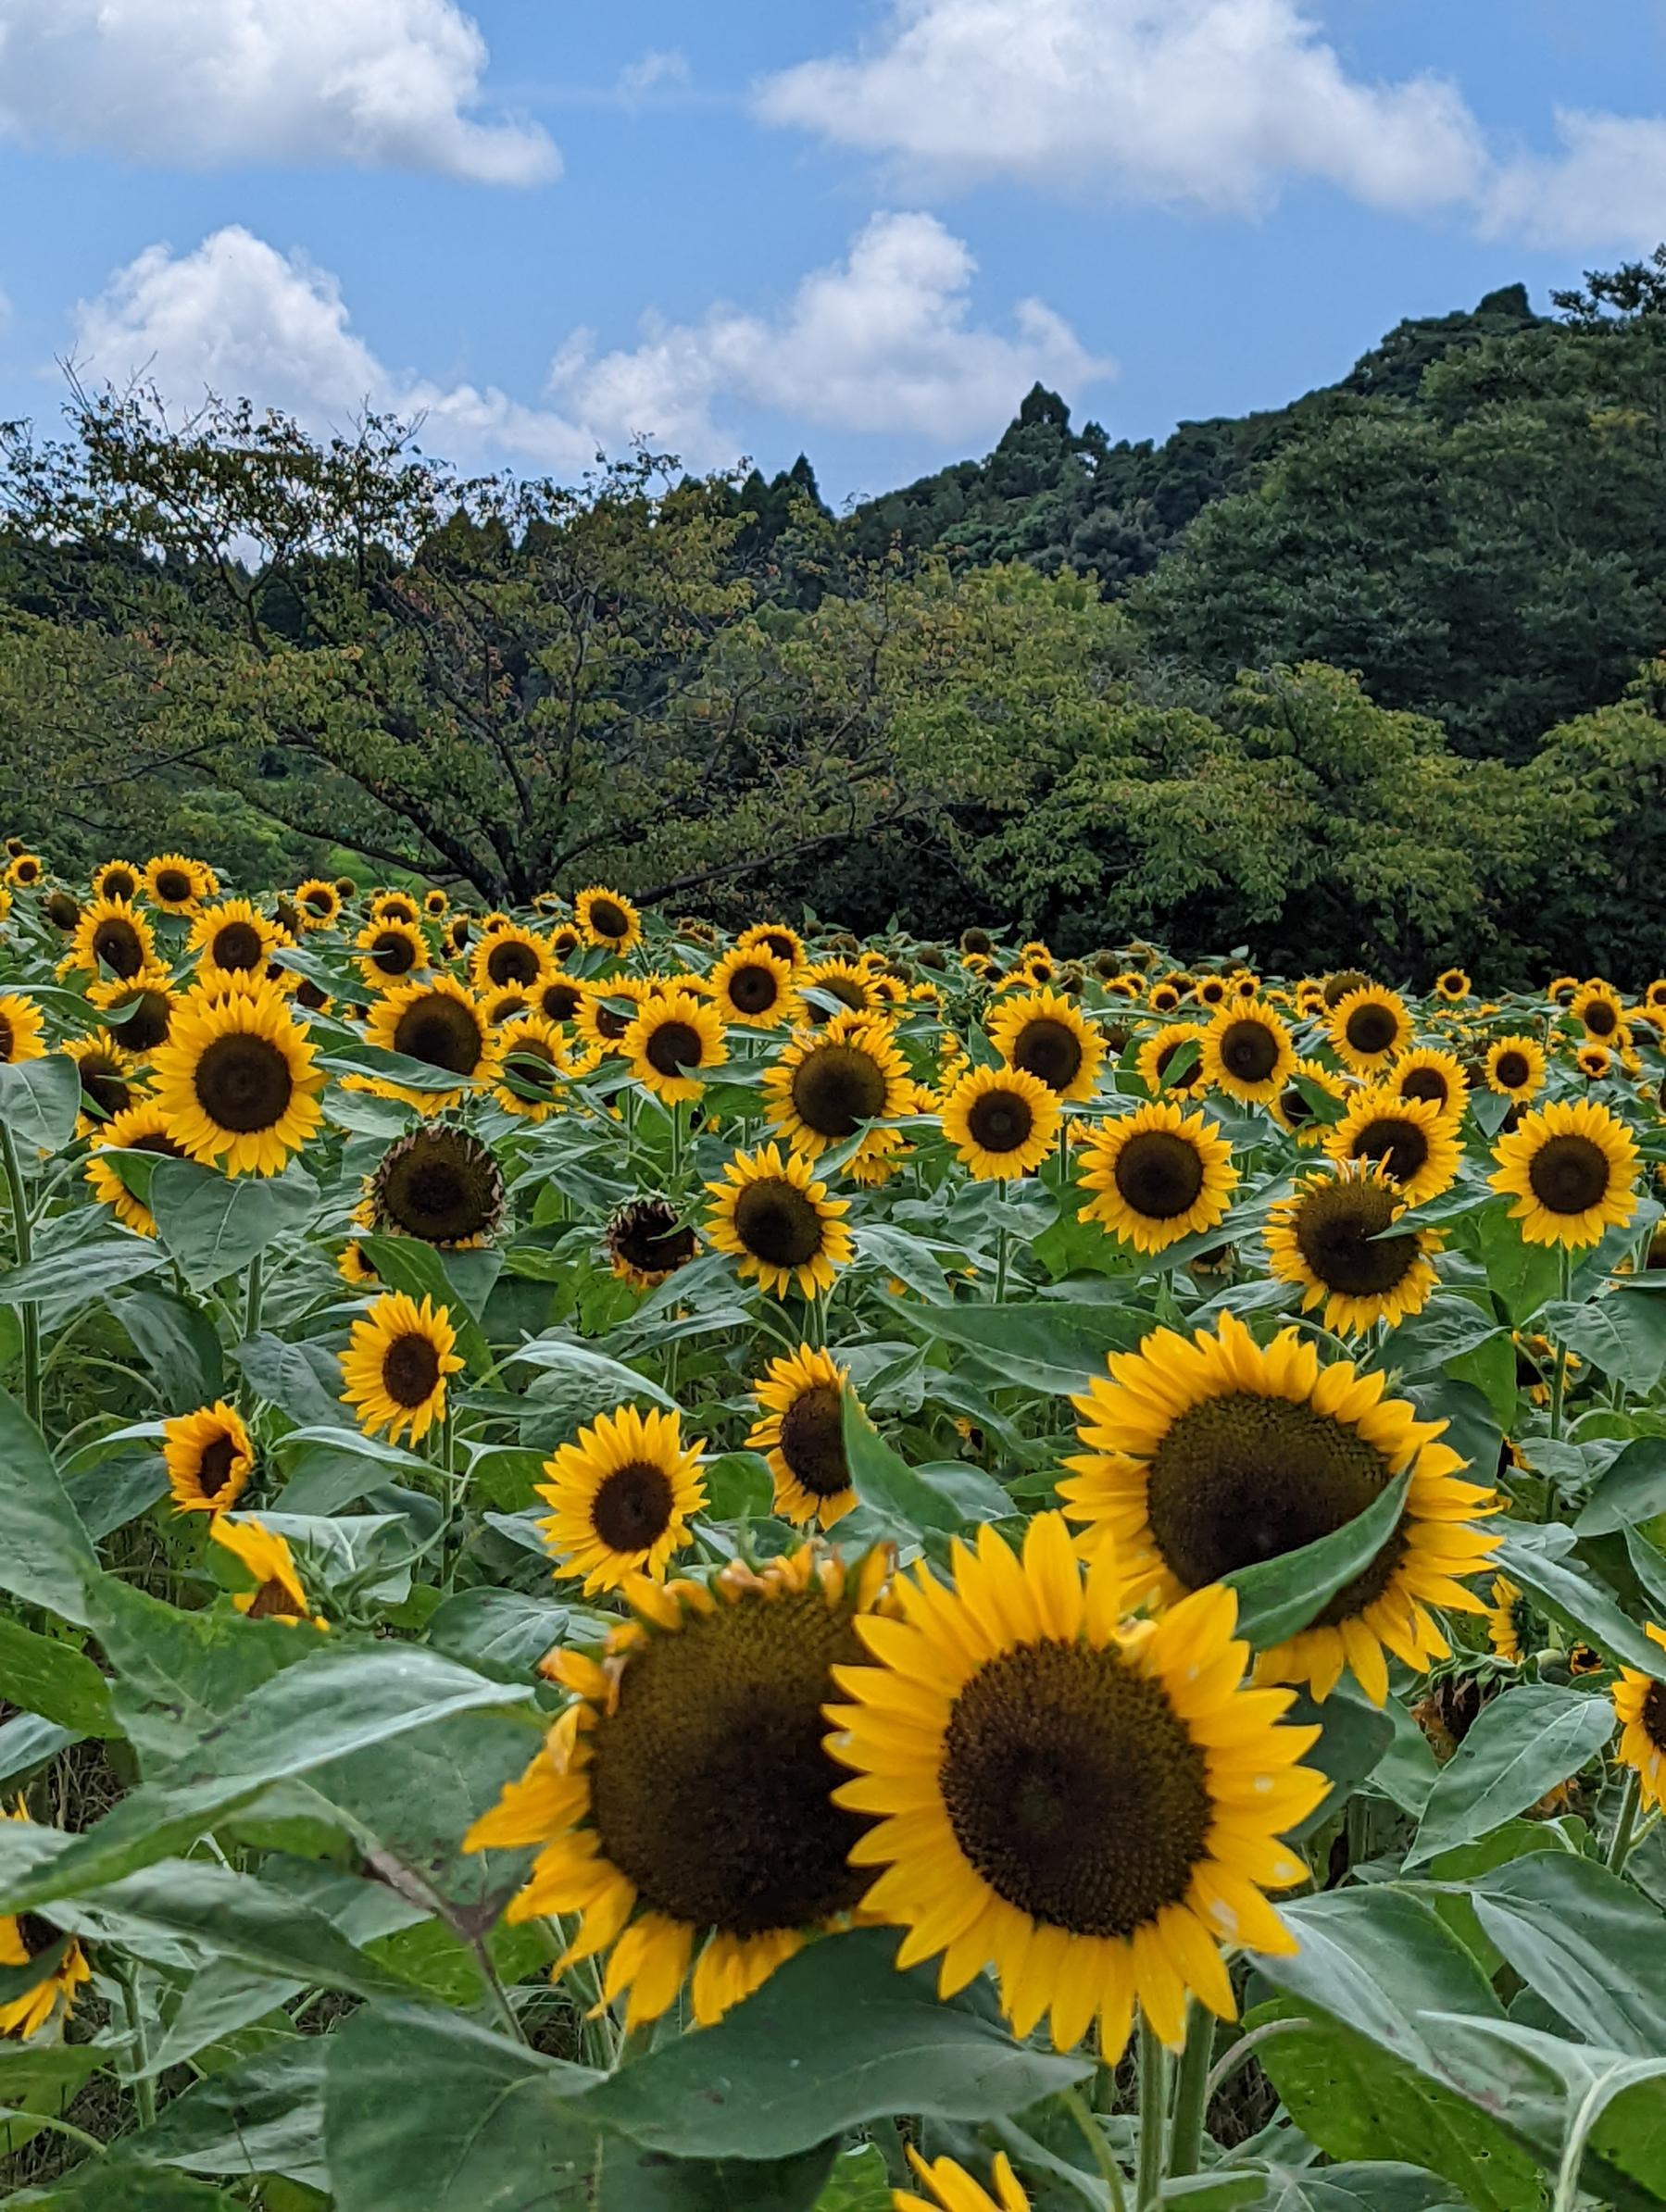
[62, 908]
[278, 1593]
[20, 1037]
[208, 1457]
[1247, 1052]
[112, 935]
[142, 1128]
[1043, 1033]
[1293, 1110]
[108, 1079]
[1453, 985]
[1156, 1061]
[774, 1218]
[828, 1081]
[608, 917]
[117, 880]
[1640, 1703]
[1510, 1628]
[1416, 1143]
[534, 1063]
[317, 903]
[173, 883]
[1332, 1235]
[238, 1083]
[1571, 1168]
[802, 1396]
[232, 938]
[1368, 1028]
[623, 1495]
[435, 1020]
[1427, 1072]
[710, 1702]
[1208, 1454]
[1001, 1122]
[648, 1241]
[1599, 1007]
[1515, 1068]
[439, 1184]
[752, 984]
[394, 1368]
[1093, 1807]
[673, 1042]
[1157, 1174]
[139, 1007]
[26, 1936]
[508, 956]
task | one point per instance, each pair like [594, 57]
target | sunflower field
[660, 1571]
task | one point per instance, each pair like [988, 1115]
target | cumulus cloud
[882, 341]
[382, 83]
[1606, 186]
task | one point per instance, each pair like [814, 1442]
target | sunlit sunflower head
[232, 938]
[848, 984]
[1000, 1122]
[395, 906]
[828, 1081]
[173, 883]
[1164, 997]
[535, 1063]
[394, 1368]
[621, 1496]
[435, 1020]
[208, 1457]
[117, 880]
[648, 1241]
[266, 1558]
[1047, 1036]
[1091, 1807]
[674, 1041]
[142, 1128]
[109, 1083]
[439, 1184]
[773, 1215]
[1453, 985]
[113, 939]
[1428, 1072]
[510, 957]
[1601, 1010]
[28, 1936]
[1211, 1452]
[238, 1082]
[1310, 1001]
[753, 985]
[801, 1397]
[25, 871]
[1332, 1235]
[1640, 1703]
[1515, 1068]
[1512, 1630]
[953, 2190]
[1369, 1028]
[436, 904]
[20, 1030]
[1416, 1144]
[608, 917]
[1164, 1066]
[1571, 1168]
[317, 903]
[1293, 1110]
[1595, 1062]
[1246, 1051]
[1157, 1175]
[774, 937]
[139, 1008]
[391, 952]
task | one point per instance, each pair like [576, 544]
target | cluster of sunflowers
[1024, 1710]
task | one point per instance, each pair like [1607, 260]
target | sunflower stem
[1154, 2118]
[1191, 2091]
[1094, 2135]
[29, 1313]
[1559, 1358]
[1002, 1246]
[1625, 1826]
[142, 2083]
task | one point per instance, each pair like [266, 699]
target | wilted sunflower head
[648, 1241]
[976, 941]
[439, 1184]
[61, 908]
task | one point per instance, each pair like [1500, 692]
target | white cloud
[1215, 104]
[382, 83]
[659, 72]
[882, 341]
[1607, 187]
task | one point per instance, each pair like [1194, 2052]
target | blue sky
[857, 229]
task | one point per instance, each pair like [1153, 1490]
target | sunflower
[174, 883]
[801, 1397]
[1165, 998]
[140, 1006]
[1333, 1235]
[237, 1081]
[1093, 1807]
[1000, 1122]
[598, 1019]
[318, 903]
[20, 1030]
[1368, 1028]
[278, 1593]
[231, 938]
[1043, 1034]
[25, 871]
[648, 1241]
[828, 1081]
[395, 1367]
[1212, 1454]
[774, 937]
[106, 1074]
[1293, 1110]
[533, 1061]
[1453, 985]
[1211, 990]
[1640, 1703]
[392, 950]
[1593, 1062]
[395, 906]
[953, 2189]
[1599, 1007]
[208, 1457]
[116, 880]
[112, 935]
[559, 998]
[1159, 1174]
[1416, 1143]
[1246, 1052]
[439, 1184]
[778, 1221]
[1572, 1168]
[1510, 1628]
[508, 957]
[438, 1022]
[1515, 1068]
[623, 1495]
[353, 1267]
[459, 930]
[672, 1038]
[1155, 1056]
[436, 904]
[142, 1128]
[752, 984]
[608, 917]
[26, 1936]
[1430, 1073]
[846, 981]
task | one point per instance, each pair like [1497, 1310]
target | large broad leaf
[406, 1264]
[1279, 1597]
[835, 2038]
[1578, 1602]
[39, 1102]
[215, 1224]
[1354, 1737]
[1055, 1345]
[1591, 1945]
[118, 2183]
[1519, 1746]
[592, 1383]
[500, 1632]
[884, 1480]
[61, 1282]
[1369, 2185]
[1623, 1332]
[1633, 1489]
[264, 2116]
[37, 2077]
[46, 1556]
[302, 1380]
[178, 1673]
[332, 1466]
[46, 1676]
[180, 1346]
